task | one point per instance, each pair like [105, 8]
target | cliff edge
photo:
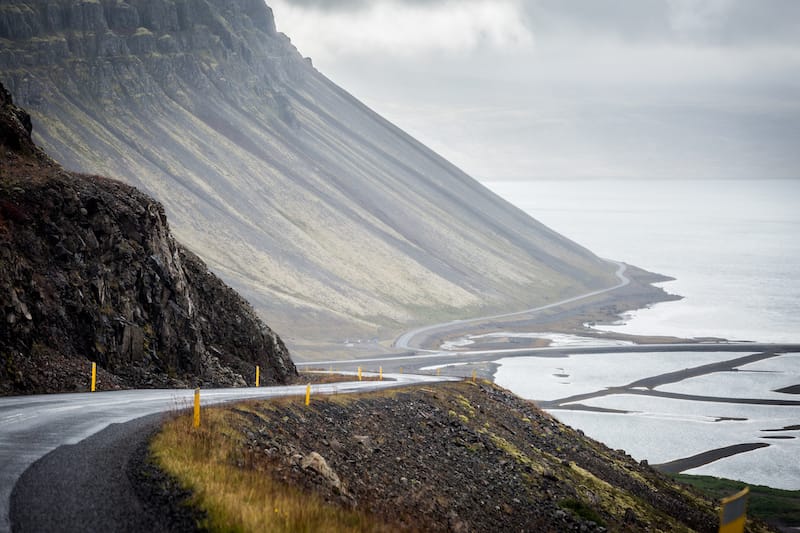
[89, 271]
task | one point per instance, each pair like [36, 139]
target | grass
[771, 505]
[233, 488]
[582, 510]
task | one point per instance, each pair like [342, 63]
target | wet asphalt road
[85, 487]
[64, 469]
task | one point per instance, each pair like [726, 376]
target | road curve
[406, 340]
[33, 426]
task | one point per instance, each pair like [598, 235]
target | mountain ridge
[331, 220]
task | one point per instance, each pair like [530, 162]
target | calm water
[734, 247]
[664, 429]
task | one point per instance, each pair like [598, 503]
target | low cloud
[401, 28]
[706, 22]
[703, 23]
[516, 88]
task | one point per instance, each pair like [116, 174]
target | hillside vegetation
[448, 457]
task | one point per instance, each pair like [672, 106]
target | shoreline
[635, 291]
[606, 306]
[485, 366]
[573, 318]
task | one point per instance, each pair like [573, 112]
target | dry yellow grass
[236, 493]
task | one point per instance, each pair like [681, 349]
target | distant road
[33, 426]
[406, 340]
[413, 361]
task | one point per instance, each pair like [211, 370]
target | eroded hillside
[331, 220]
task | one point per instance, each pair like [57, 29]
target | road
[407, 340]
[413, 361]
[33, 426]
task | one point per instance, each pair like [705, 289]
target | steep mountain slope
[90, 272]
[332, 221]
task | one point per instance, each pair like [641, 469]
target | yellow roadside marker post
[733, 512]
[380, 373]
[196, 422]
[438, 371]
[308, 394]
[473, 376]
[359, 373]
[94, 376]
[258, 375]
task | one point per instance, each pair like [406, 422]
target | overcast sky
[513, 89]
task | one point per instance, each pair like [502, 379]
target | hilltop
[331, 220]
[90, 272]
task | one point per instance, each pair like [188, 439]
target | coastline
[476, 346]
[609, 307]
[573, 318]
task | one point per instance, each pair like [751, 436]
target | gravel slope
[459, 457]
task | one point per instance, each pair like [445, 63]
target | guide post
[733, 511]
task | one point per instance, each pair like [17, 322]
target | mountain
[330, 220]
[90, 272]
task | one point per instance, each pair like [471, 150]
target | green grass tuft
[771, 505]
[582, 510]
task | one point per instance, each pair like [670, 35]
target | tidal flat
[675, 418]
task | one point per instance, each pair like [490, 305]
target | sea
[733, 247]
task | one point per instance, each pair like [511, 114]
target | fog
[513, 90]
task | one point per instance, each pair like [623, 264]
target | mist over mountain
[328, 218]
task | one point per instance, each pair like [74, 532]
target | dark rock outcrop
[89, 271]
[15, 129]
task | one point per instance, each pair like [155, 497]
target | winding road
[37, 430]
[406, 341]
[33, 426]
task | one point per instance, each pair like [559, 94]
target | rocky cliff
[332, 221]
[89, 271]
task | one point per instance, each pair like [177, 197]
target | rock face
[91, 272]
[331, 220]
